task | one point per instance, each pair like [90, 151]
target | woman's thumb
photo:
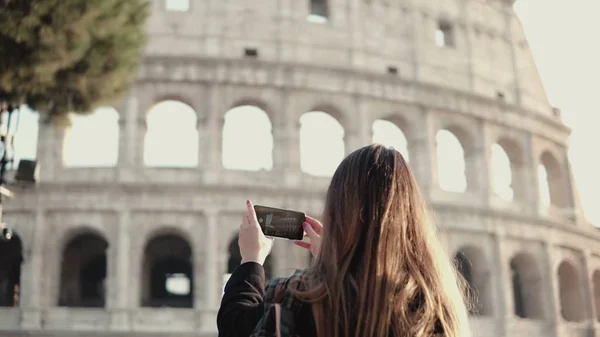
[310, 232]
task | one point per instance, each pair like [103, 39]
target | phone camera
[261, 220]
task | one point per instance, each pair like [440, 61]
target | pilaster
[31, 276]
[550, 286]
[422, 149]
[118, 286]
[129, 142]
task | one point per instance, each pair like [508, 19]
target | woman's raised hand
[312, 229]
[254, 245]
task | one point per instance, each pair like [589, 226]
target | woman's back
[378, 269]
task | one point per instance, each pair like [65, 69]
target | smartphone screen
[281, 223]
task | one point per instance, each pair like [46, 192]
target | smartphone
[281, 223]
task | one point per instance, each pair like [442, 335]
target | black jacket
[247, 299]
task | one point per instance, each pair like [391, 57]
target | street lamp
[27, 170]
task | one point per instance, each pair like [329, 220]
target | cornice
[197, 198]
[289, 76]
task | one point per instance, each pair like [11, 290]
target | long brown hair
[381, 270]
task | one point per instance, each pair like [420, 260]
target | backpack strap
[285, 317]
[279, 317]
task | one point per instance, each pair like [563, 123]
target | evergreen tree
[62, 56]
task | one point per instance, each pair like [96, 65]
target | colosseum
[131, 230]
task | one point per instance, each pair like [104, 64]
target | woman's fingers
[302, 244]
[310, 232]
[314, 224]
[251, 214]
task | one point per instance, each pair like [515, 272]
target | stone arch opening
[247, 139]
[502, 177]
[83, 271]
[596, 290]
[319, 11]
[527, 288]
[11, 259]
[97, 133]
[26, 140]
[508, 168]
[571, 300]
[168, 276]
[551, 178]
[235, 259]
[471, 264]
[390, 133]
[452, 160]
[322, 145]
[172, 138]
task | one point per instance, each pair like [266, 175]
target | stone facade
[371, 60]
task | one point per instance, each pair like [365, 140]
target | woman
[378, 268]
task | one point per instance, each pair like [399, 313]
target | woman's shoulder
[281, 290]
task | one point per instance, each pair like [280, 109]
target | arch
[571, 300]
[527, 288]
[168, 272]
[322, 146]
[319, 11]
[551, 178]
[26, 139]
[11, 258]
[452, 168]
[254, 102]
[543, 187]
[83, 271]
[502, 180]
[390, 134]
[596, 292]
[97, 133]
[511, 184]
[235, 258]
[171, 136]
[247, 139]
[444, 35]
[472, 266]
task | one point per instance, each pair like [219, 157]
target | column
[203, 140]
[49, 153]
[31, 276]
[286, 133]
[422, 152]
[509, 15]
[417, 28]
[212, 133]
[550, 286]
[575, 211]
[139, 105]
[464, 26]
[209, 275]
[588, 292]
[119, 289]
[128, 138]
[358, 129]
[502, 282]
[477, 161]
[281, 132]
[530, 174]
[132, 147]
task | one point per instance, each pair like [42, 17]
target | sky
[562, 36]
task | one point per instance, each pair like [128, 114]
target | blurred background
[133, 131]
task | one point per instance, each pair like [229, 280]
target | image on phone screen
[280, 223]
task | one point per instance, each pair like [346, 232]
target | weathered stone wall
[340, 68]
